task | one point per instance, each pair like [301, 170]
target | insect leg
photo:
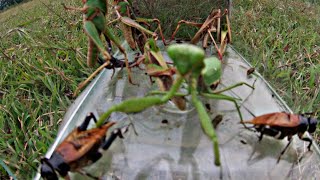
[284, 150]
[309, 140]
[300, 135]
[108, 43]
[227, 98]
[114, 134]
[86, 121]
[47, 170]
[261, 136]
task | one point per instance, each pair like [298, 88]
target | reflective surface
[170, 143]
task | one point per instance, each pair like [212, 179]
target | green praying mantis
[156, 67]
[94, 24]
[190, 63]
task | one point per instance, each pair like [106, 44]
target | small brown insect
[216, 120]
[208, 107]
[165, 121]
[250, 71]
[80, 148]
[281, 124]
[243, 141]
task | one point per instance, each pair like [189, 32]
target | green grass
[42, 60]
[282, 40]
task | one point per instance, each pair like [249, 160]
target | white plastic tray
[179, 149]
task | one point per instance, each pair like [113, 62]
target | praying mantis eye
[212, 71]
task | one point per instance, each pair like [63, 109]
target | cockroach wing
[78, 143]
[281, 119]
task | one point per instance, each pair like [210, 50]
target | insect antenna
[251, 128]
